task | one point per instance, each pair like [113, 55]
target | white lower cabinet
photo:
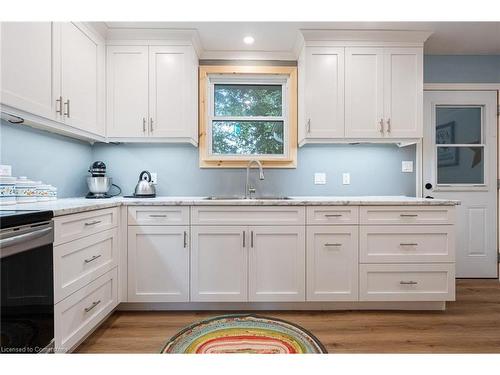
[78, 314]
[158, 263]
[219, 263]
[276, 264]
[332, 263]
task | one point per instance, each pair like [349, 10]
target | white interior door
[460, 162]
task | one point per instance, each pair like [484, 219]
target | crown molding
[366, 36]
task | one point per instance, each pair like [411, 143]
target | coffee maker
[98, 183]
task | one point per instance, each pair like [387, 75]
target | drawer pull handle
[333, 244]
[408, 244]
[251, 239]
[408, 215]
[94, 304]
[333, 215]
[185, 239]
[408, 282]
[244, 239]
[92, 259]
[157, 215]
[93, 222]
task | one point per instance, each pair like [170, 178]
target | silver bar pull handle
[67, 113]
[251, 239]
[309, 126]
[244, 239]
[59, 103]
[144, 124]
[92, 259]
[408, 244]
[381, 123]
[333, 244]
[333, 215]
[11, 241]
[185, 239]
[408, 282]
[92, 222]
[408, 215]
[388, 125]
[151, 124]
[94, 304]
[157, 215]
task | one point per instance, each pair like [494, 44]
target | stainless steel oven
[27, 282]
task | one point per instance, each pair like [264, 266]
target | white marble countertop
[68, 206]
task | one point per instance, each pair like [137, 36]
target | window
[248, 113]
[460, 145]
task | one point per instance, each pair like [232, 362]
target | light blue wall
[375, 170]
[462, 69]
[54, 159]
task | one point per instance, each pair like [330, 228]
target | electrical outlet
[320, 178]
[407, 166]
[154, 178]
[346, 178]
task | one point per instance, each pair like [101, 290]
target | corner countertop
[68, 206]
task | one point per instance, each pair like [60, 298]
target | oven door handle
[11, 241]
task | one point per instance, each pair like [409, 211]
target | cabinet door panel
[127, 91]
[324, 95]
[219, 263]
[158, 264]
[80, 64]
[171, 92]
[332, 263]
[277, 264]
[27, 67]
[364, 92]
[403, 92]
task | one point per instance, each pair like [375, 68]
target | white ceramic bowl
[7, 190]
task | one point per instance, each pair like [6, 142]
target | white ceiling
[448, 38]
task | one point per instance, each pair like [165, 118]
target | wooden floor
[469, 325]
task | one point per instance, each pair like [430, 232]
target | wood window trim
[207, 161]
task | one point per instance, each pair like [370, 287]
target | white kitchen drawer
[79, 262]
[323, 215]
[77, 315]
[407, 215]
[407, 282]
[247, 215]
[71, 227]
[158, 215]
[406, 243]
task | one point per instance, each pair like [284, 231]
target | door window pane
[247, 137]
[458, 125]
[460, 165]
[247, 100]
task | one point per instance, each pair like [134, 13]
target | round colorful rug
[243, 333]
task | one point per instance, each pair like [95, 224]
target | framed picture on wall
[445, 135]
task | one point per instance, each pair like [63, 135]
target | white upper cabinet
[152, 93]
[403, 92]
[384, 92]
[27, 67]
[82, 74]
[364, 91]
[55, 71]
[127, 91]
[324, 92]
[361, 85]
[172, 92]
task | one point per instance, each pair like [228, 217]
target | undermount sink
[222, 198]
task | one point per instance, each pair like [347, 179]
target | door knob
[428, 186]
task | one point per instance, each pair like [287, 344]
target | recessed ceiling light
[248, 39]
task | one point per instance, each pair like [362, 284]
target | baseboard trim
[299, 306]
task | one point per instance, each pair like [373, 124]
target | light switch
[407, 166]
[346, 178]
[320, 178]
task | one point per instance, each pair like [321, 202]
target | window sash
[252, 80]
